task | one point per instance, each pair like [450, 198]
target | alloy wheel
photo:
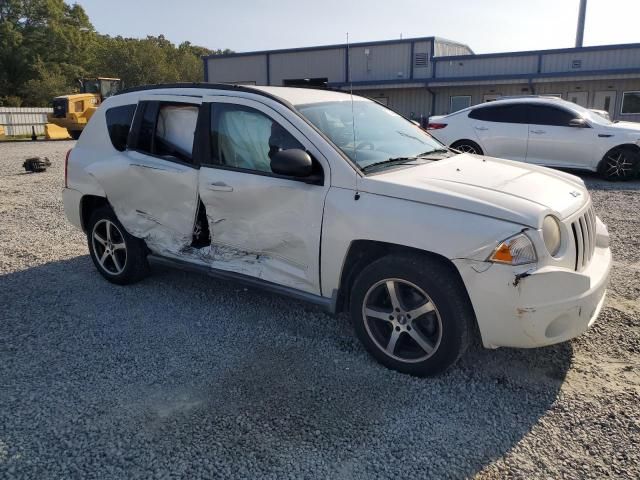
[402, 320]
[618, 165]
[109, 247]
[465, 148]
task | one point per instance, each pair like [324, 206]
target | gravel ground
[184, 376]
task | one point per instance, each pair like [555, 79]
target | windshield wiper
[391, 162]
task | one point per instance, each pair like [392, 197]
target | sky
[485, 25]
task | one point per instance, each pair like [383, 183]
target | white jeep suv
[338, 201]
[544, 131]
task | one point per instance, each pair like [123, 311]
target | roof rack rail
[509, 97]
[208, 86]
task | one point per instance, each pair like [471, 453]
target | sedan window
[511, 113]
[552, 116]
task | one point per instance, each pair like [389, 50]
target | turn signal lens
[517, 250]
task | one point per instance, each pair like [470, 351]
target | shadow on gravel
[184, 375]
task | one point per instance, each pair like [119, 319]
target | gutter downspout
[433, 103]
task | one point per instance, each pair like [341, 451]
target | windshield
[380, 134]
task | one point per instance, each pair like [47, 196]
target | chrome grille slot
[584, 236]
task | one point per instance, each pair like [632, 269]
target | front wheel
[119, 257]
[412, 314]
[619, 164]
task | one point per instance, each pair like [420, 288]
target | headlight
[517, 250]
[551, 234]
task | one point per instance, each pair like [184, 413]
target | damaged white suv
[338, 201]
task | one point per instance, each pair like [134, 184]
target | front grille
[584, 235]
[60, 106]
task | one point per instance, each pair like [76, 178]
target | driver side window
[245, 138]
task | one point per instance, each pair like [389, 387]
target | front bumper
[542, 307]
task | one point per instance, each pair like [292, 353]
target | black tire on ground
[619, 163]
[467, 146]
[119, 257]
[75, 134]
[444, 323]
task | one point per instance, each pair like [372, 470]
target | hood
[511, 191]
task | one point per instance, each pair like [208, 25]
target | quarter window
[245, 138]
[552, 116]
[167, 130]
[630, 103]
[459, 102]
[513, 113]
[118, 124]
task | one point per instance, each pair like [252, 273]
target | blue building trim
[205, 64]
[525, 77]
[411, 59]
[268, 61]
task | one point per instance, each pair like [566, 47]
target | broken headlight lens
[552, 234]
[517, 250]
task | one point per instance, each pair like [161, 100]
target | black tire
[619, 163]
[452, 313]
[75, 134]
[125, 260]
[467, 146]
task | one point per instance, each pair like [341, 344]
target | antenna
[353, 116]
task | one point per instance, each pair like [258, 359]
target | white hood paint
[503, 189]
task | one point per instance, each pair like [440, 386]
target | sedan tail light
[66, 168]
[436, 126]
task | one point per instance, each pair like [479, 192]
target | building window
[630, 103]
[459, 102]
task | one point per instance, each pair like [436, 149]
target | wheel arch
[362, 252]
[88, 204]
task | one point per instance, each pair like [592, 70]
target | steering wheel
[363, 145]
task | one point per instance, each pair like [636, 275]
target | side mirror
[292, 163]
[578, 123]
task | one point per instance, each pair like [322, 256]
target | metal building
[419, 77]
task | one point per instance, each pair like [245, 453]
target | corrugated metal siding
[410, 102]
[486, 66]
[422, 48]
[309, 64]
[384, 62]
[477, 93]
[251, 68]
[18, 121]
[598, 60]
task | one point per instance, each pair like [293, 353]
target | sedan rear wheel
[467, 146]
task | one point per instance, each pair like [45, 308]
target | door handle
[538, 132]
[220, 187]
[482, 128]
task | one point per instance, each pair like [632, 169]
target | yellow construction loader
[74, 111]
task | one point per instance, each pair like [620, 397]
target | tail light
[436, 126]
[66, 168]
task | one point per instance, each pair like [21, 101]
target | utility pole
[581, 16]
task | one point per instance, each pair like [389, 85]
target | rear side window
[118, 124]
[516, 113]
[553, 116]
[167, 130]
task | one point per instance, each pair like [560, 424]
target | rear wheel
[467, 146]
[119, 257]
[619, 164]
[412, 314]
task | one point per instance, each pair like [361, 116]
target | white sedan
[544, 131]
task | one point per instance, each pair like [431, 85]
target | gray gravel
[181, 376]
